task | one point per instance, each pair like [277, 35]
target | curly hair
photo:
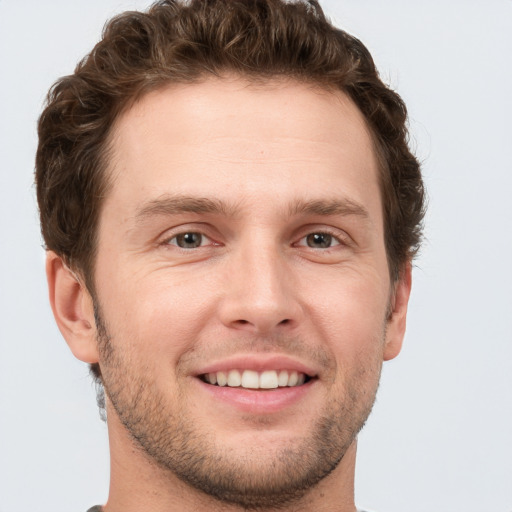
[177, 41]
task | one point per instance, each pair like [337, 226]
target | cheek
[155, 317]
[353, 325]
[349, 310]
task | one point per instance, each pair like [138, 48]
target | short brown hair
[182, 42]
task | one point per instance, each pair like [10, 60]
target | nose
[260, 296]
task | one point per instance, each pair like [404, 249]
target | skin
[277, 163]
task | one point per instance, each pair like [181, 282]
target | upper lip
[258, 363]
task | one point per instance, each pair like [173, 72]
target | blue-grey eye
[320, 240]
[188, 240]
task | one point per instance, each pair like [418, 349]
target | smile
[250, 379]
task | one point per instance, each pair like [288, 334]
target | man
[230, 211]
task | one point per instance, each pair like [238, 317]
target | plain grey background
[439, 439]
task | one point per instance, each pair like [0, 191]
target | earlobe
[72, 308]
[396, 324]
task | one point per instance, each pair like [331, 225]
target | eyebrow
[343, 207]
[177, 204]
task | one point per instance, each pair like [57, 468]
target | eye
[319, 241]
[189, 240]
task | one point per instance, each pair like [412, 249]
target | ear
[397, 318]
[72, 308]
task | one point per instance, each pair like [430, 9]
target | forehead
[232, 138]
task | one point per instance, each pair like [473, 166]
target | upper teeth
[268, 379]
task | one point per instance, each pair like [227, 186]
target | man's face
[243, 240]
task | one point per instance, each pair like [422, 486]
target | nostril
[260, 324]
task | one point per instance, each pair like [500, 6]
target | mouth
[251, 379]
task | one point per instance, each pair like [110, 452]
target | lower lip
[259, 401]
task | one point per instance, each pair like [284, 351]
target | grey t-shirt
[98, 508]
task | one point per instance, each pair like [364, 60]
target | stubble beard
[172, 441]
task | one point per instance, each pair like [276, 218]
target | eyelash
[169, 241]
[333, 237]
